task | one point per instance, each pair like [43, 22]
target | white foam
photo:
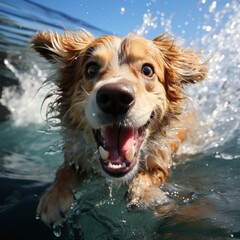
[25, 101]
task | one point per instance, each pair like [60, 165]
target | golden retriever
[119, 102]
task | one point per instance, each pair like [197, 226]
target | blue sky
[186, 18]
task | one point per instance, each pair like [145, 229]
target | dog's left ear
[181, 65]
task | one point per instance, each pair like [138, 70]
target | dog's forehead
[103, 45]
[135, 47]
[129, 48]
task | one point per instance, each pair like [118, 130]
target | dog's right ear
[61, 48]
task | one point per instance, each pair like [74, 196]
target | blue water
[203, 183]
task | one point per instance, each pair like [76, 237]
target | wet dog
[118, 101]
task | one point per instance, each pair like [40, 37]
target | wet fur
[121, 60]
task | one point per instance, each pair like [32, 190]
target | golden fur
[129, 87]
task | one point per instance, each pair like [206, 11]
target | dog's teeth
[103, 153]
[102, 132]
[130, 154]
[116, 166]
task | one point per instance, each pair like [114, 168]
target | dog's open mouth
[118, 148]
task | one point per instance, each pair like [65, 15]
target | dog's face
[125, 96]
[121, 90]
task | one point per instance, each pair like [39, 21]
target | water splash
[149, 22]
[26, 103]
[218, 98]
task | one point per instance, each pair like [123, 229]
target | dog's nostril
[115, 98]
[126, 99]
[103, 99]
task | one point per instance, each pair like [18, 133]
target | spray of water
[25, 101]
[218, 98]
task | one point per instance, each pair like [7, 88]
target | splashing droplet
[213, 6]
[38, 216]
[208, 28]
[57, 230]
[122, 10]
[110, 190]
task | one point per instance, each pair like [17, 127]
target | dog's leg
[56, 202]
[145, 189]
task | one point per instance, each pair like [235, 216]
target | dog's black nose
[115, 98]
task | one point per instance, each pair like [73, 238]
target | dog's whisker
[85, 90]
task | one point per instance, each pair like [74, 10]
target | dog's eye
[92, 69]
[147, 70]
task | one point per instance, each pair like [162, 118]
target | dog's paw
[144, 191]
[147, 197]
[54, 204]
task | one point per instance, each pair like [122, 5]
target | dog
[120, 102]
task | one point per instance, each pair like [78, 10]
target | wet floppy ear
[182, 65]
[56, 47]
[42, 42]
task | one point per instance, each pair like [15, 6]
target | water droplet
[57, 230]
[122, 10]
[38, 216]
[213, 6]
[208, 28]
[110, 190]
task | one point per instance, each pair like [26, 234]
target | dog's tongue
[118, 140]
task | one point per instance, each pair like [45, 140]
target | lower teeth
[116, 166]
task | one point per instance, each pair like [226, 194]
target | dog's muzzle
[117, 144]
[117, 139]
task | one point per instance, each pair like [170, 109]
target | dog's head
[123, 91]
